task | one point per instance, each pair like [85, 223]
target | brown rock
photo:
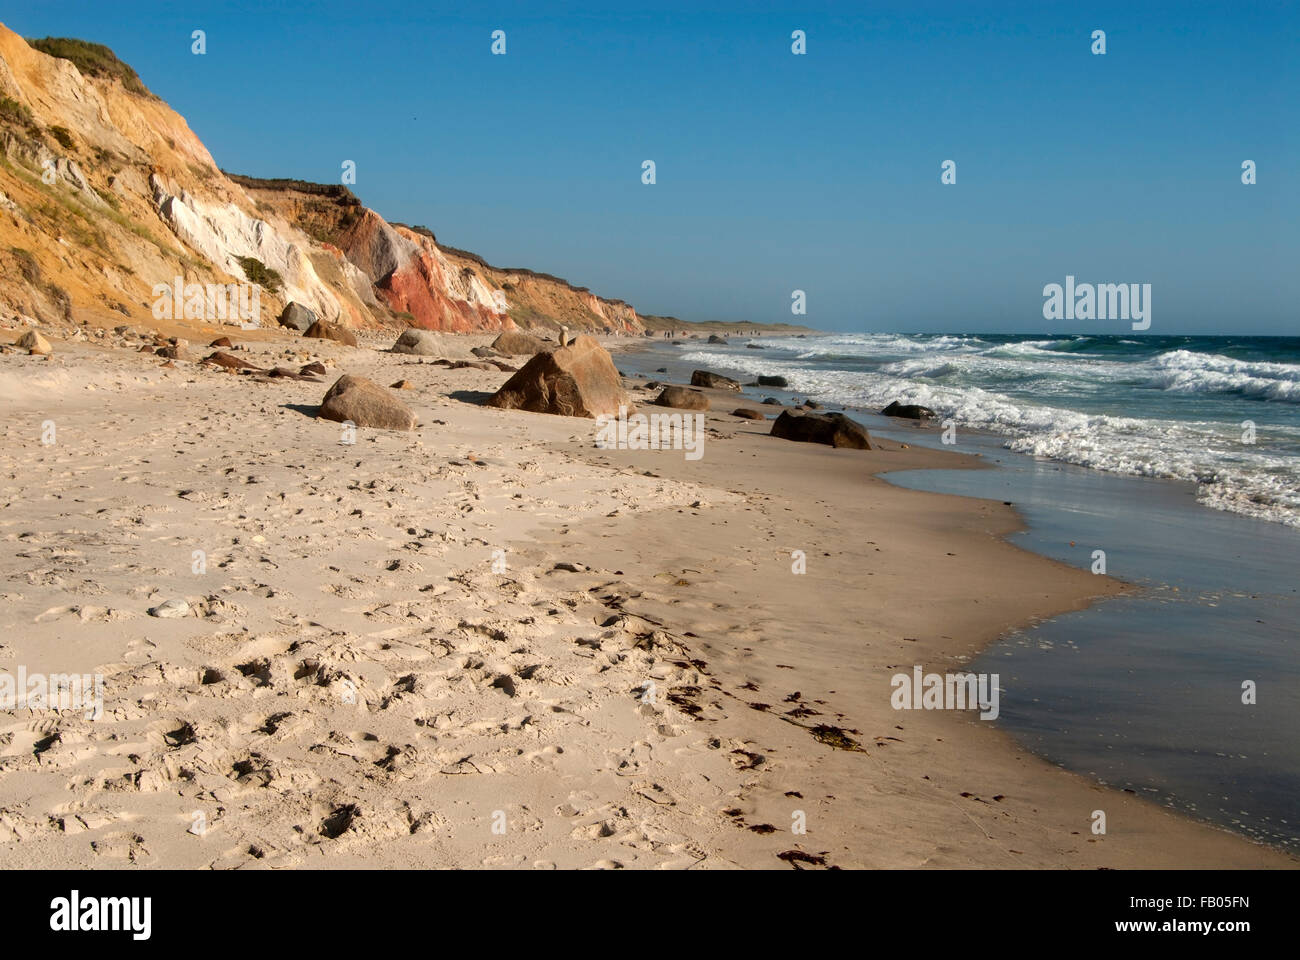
[832, 428]
[402, 385]
[909, 411]
[284, 373]
[221, 342]
[171, 352]
[35, 344]
[683, 397]
[472, 364]
[366, 404]
[514, 342]
[324, 330]
[579, 380]
[223, 359]
[703, 378]
[748, 413]
[503, 367]
[314, 369]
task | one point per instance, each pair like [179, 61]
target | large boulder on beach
[366, 404]
[910, 411]
[514, 343]
[771, 381]
[834, 429]
[427, 343]
[579, 380]
[35, 344]
[682, 397]
[703, 378]
[714, 338]
[324, 330]
[297, 317]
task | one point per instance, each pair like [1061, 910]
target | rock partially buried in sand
[324, 330]
[170, 609]
[683, 397]
[909, 411]
[424, 343]
[297, 317]
[222, 359]
[834, 429]
[221, 342]
[402, 385]
[316, 369]
[579, 380]
[748, 413]
[513, 343]
[35, 344]
[703, 378]
[366, 404]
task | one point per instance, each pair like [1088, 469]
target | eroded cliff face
[105, 194]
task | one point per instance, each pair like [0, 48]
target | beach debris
[796, 857]
[834, 429]
[579, 380]
[366, 404]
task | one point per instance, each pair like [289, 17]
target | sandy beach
[489, 643]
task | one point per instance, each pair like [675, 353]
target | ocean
[1220, 412]
[1118, 444]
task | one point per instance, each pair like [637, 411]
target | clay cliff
[106, 194]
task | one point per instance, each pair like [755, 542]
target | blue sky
[778, 172]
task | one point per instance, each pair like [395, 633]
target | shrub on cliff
[92, 59]
[260, 274]
[16, 114]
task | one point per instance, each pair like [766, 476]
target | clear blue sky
[776, 172]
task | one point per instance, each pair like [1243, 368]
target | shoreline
[1199, 844]
[535, 674]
